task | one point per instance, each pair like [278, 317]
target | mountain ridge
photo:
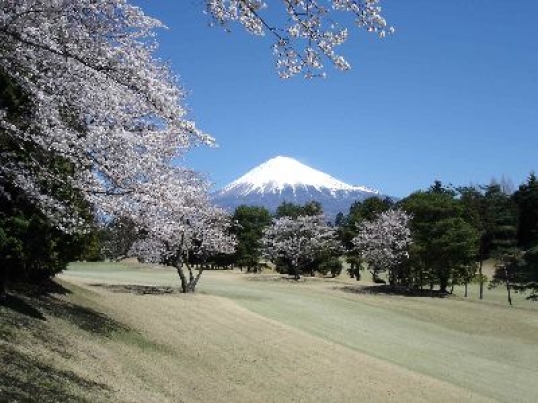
[285, 179]
[280, 171]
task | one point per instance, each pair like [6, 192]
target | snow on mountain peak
[279, 172]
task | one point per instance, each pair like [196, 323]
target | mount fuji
[286, 179]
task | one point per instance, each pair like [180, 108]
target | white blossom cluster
[98, 98]
[202, 233]
[383, 243]
[310, 32]
[298, 240]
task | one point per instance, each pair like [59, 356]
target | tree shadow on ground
[137, 289]
[83, 317]
[18, 304]
[30, 307]
[388, 290]
[46, 287]
[276, 278]
[24, 379]
[24, 297]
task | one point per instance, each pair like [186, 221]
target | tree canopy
[298, 240]
[526, 198]
[97, 98]
[249, 223]
[443, 240]
[384, 242]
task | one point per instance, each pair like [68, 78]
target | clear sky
[453, 95]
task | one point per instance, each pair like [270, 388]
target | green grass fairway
[256, 338]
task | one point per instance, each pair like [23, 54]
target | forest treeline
[452, 230]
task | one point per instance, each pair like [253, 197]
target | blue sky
[453, 95]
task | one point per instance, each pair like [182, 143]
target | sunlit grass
[243, 338]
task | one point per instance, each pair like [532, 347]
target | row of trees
[454, 230]
[438, 237]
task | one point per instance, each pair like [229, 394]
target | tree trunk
[443, 284]
[182, 277]
[179, 268]
[508, 293]
[296, 274]
[481, 280]
[392, 279]
[194, 280]
[191, 275]
[466, 289]
[3, 281]
[200, 271]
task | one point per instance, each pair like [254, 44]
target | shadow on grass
[137, 289]
[388, 290]
[17, 304]
[25, 379]
[85, 318]
[46, 287]
[27, 307]
[286, 278]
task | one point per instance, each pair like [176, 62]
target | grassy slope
[241, 340]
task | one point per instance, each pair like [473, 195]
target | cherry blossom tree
[305, 31]
[298, 240]
[383, 242]
[95, 98]
[200, 231]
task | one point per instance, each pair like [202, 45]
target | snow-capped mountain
[286, 179]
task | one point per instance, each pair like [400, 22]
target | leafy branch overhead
[305, 32]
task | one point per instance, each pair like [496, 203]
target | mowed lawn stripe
[218, 351]
[502, 364]
[482, 347]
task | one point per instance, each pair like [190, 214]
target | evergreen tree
[474, 208]
[526, 198]
[500, 218]
[508, 268]
[439, 232]
[501, 232]
[456, 248]
[249, 224]
[32, 249]
[528, 274]
[288, 209]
